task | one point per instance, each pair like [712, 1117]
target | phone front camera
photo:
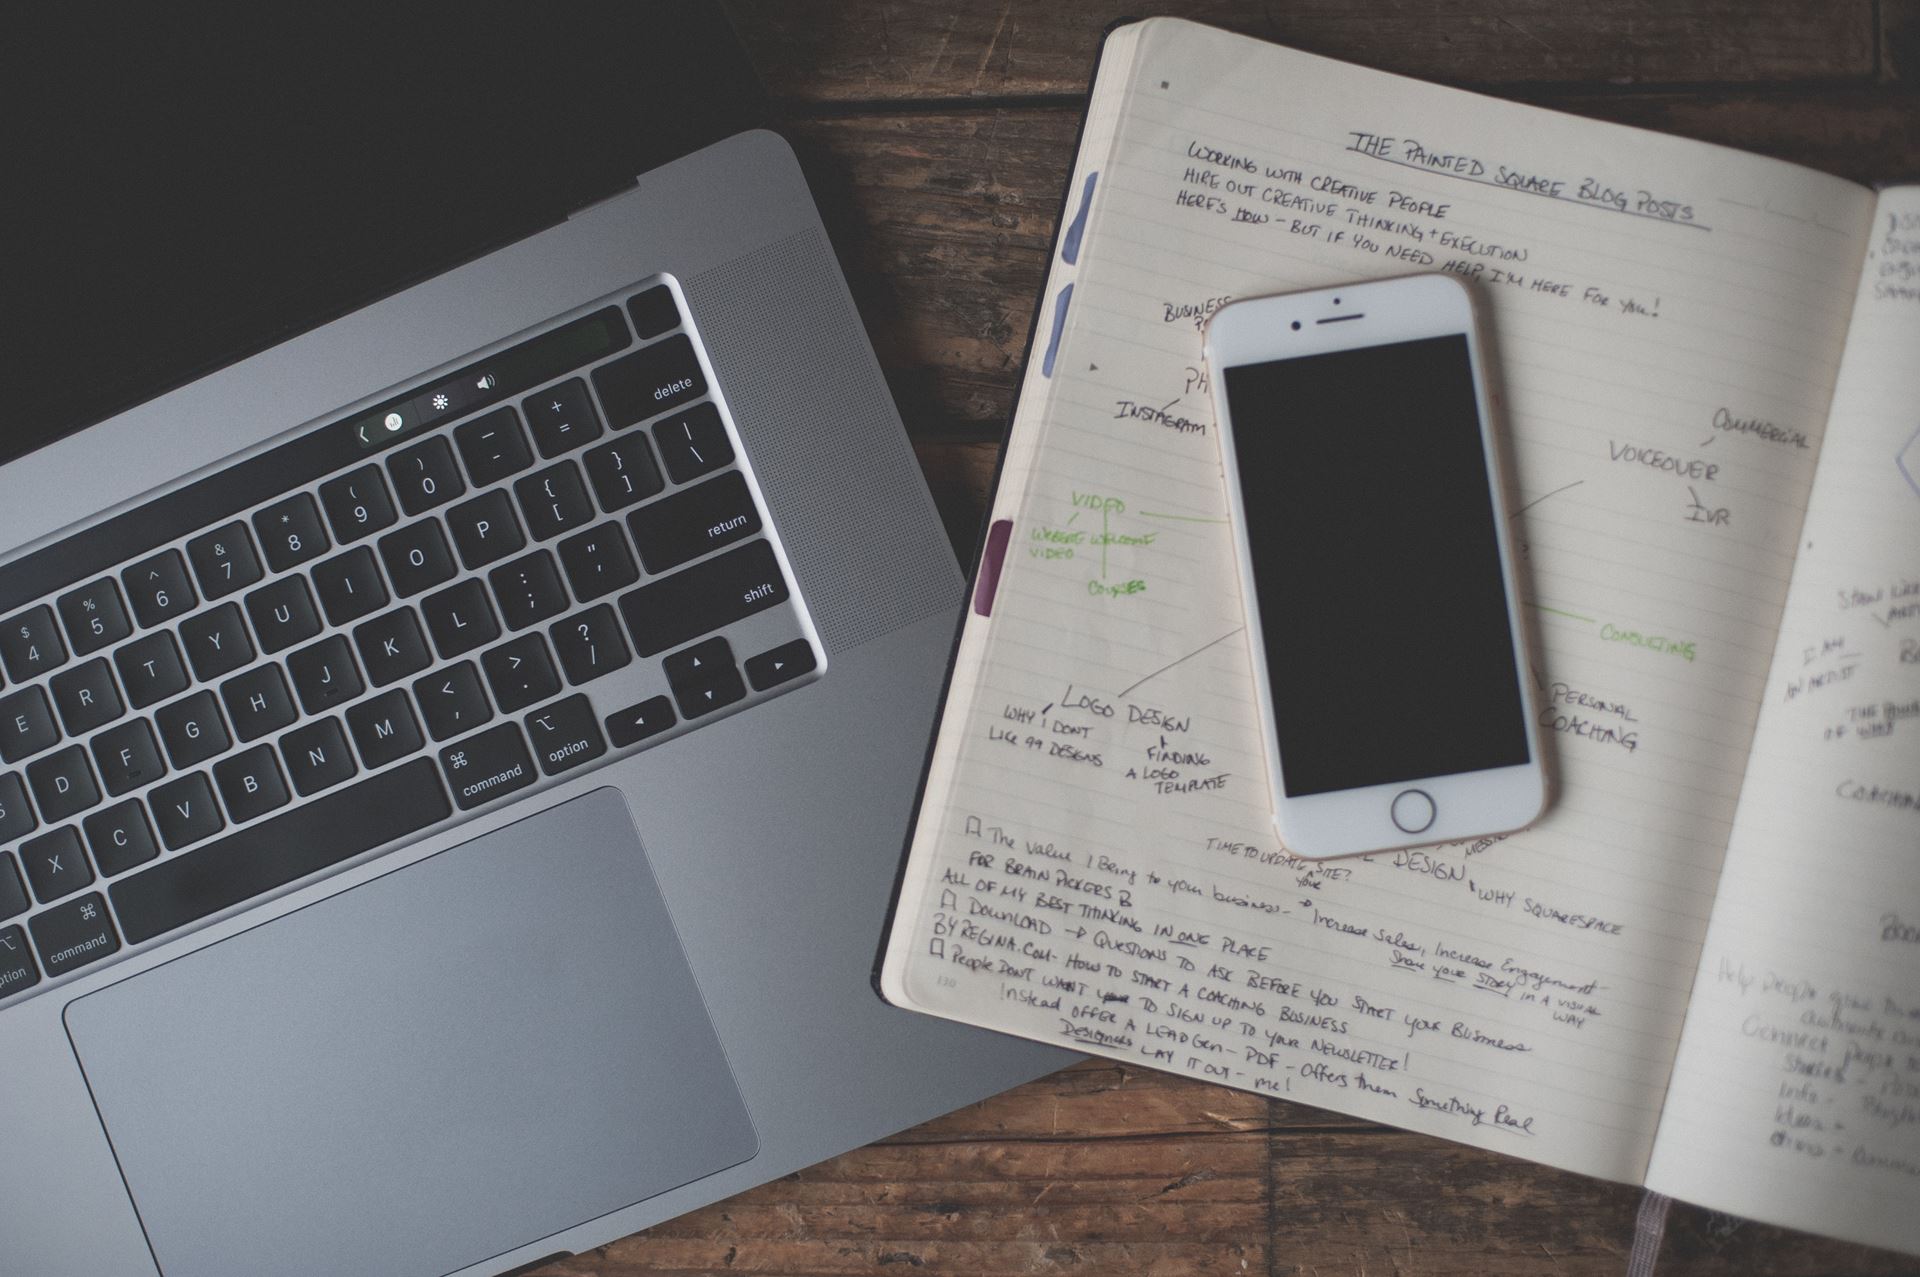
[1296, 325]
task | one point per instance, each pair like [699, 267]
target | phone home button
[1412, 811]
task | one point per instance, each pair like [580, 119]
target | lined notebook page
[1095, 863]
[1797, 1092]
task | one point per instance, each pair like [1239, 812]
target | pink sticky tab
[987, 580]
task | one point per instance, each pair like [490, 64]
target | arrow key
[781, 665]
[636, 723]
[699, 664]
[708, 697]
[723, 689]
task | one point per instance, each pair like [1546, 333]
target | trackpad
[463, 1056]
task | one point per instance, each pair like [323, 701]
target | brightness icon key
[444, 400]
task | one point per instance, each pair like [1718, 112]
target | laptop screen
[185, 194]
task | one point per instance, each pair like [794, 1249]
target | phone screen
[1376, 566]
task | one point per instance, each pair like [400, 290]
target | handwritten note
[1797, 1090]
[1099, 862]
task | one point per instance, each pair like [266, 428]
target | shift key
[704, 597]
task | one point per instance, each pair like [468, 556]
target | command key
[488, 766]
[74, 934]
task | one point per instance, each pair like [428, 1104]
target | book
[1700, 971]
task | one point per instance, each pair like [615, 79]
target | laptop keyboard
[549, 558]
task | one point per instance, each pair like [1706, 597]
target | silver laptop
[453, 762]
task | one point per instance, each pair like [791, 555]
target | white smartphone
[1376, 566]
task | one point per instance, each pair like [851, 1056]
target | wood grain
[940, 135]
[909, 50]
[1107, 1169]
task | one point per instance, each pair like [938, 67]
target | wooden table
[942, 134]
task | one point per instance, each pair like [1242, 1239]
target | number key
[159, 588]
[94, 616]
[31, 644]
[291, 532]
[357, 504]
[426, 475]
[224, 560]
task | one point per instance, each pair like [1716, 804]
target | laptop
[470, 624]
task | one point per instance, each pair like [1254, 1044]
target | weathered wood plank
[1394, 1202]
[824, 51]
[1098, 1169]
[1106, 1099]
[1900, 40]
[1104, 1169]
[960, 474]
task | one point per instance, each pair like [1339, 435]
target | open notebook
[1701, 970]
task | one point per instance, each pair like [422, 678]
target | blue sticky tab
[1070, 242]
[1059, 322]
